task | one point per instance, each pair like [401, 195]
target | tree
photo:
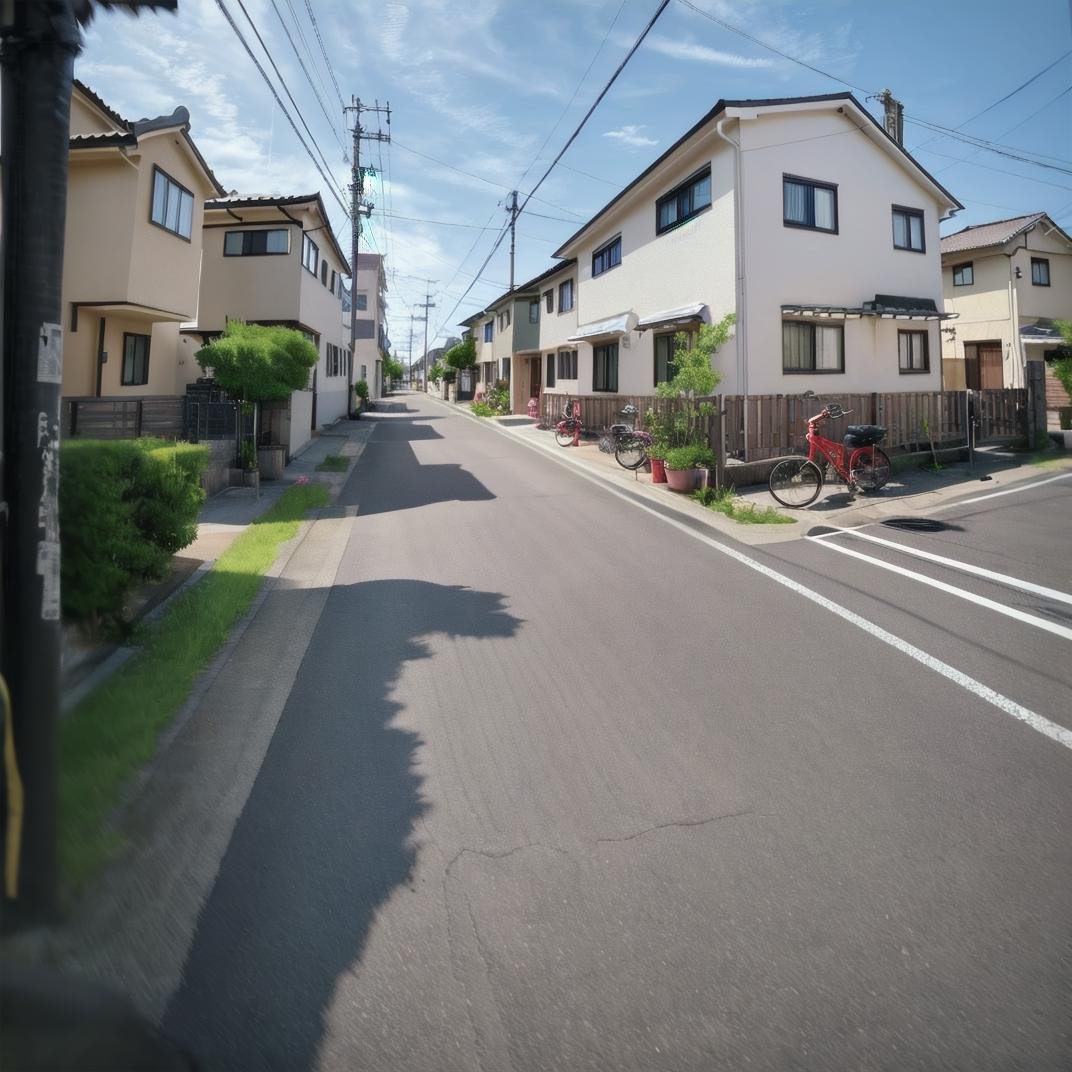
[255, 363]
[694, 377]
[435, 373]
[462, 356]
[392, 369]
[1062, 365]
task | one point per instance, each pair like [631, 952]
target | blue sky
[494, 87]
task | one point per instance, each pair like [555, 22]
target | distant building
[372, 344]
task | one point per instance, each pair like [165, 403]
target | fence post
[1036, 402]
[137, 419]
[718, 441]
[72, 419]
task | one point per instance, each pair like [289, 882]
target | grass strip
[725, 501]
[333, 463]
[111, 734]
[1049, 460]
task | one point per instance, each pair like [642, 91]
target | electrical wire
[1000, 171]
[324, 53]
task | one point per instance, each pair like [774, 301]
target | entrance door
[535, 364]
[983, 366]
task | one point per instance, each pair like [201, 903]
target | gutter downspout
[738, 247]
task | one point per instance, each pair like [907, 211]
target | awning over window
[673, 318]
[885, 307]
[613, 325]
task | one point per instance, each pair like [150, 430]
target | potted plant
[686, 467]
[361, 393]
[657, 456]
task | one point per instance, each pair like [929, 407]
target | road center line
[1007, 491]
[960, 593]
[952, 563]
[977, 688]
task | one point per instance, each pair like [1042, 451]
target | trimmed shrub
[126, 506]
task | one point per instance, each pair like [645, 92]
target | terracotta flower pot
[687, 480]
[658, 471]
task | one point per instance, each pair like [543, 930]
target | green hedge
[126, 506]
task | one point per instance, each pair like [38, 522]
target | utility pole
[426, 305]
[513, 224]
[358, 208]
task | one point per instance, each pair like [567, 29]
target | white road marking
[960, 593]
[1007, 491]
[953, 563]
[1010, 707]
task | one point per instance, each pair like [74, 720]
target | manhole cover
[916, 524]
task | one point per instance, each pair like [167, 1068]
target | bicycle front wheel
[869, 469]
[796, 482]
[564, 436]
[630, 453]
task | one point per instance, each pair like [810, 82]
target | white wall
[784, 265]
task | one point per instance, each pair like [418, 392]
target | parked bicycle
[626, 442]
[797, 482]
[568, 430]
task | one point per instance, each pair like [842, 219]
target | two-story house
[275, 260]
[801, 216]
[132, 250]
[372, 341]
[1007, 281]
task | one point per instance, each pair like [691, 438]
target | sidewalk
[912, 491]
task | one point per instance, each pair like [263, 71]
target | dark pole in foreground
[39, 43]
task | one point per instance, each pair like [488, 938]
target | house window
[362, 301]
[565, 295]
[908, 229]
[331, 285]
[606, 257]
[256, 243]
[334, 363]
[489, 328]
[534, 311]
[809, 204]
[689, 199]
[605, 367]
[912, 351]
[550, 370]
[505, 366]
[963, 275]
[173, 205]
[666, 346]
[310, 254]
[1040, 272]
[549, 300]
[812, 347]
[135, 370]
[567, 364]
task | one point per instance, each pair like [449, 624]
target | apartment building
[372, 342]
[803, 216]
[133, 241]
[1007, 282]
[275, 260]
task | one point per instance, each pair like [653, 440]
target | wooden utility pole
[426, 305]
[513, 225]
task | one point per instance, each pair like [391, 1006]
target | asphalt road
[560, 786]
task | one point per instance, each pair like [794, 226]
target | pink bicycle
[796, 482]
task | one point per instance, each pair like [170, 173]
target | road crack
[677, 824]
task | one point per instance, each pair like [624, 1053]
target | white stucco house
[802, 216]
[1007, 281]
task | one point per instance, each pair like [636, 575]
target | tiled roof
[111, 113]
[988, 234]
[97, 141]
[233, 200]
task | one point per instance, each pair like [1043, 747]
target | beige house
[1007, 282]
[132, 252]
[275, 260]
[372, 342]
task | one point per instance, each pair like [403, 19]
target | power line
[1000, 171]
[324, 53]
[282, 106]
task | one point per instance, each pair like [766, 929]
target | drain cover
[916, 524]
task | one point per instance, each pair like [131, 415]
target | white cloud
[630, 135]
[689, 50]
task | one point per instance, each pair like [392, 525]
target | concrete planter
[272, 460]
[687, 480]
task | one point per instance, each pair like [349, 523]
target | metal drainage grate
[916, 524]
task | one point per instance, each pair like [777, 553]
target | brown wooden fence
[768, 426]
[123, 418]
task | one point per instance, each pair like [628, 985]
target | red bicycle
[796, 482]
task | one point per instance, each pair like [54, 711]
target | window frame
[1041, 262]
[504, 368]
[656, 339]
[161, 173]
[249, 233]
[676, 194]
[309, 244]
[361, 301]
[607, 248]
[123, 381]
[549, 373]
[909, 333]
[812, 326]
[534, 311]
[489, 330]
[605, 348]
[970, 266]
[567, 363]
[909, 213]
[562, 290]
[813, 185]
[549, 299]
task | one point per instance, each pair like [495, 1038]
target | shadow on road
[325, 837]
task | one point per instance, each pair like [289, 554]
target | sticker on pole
[48, 567]
[50, 354]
